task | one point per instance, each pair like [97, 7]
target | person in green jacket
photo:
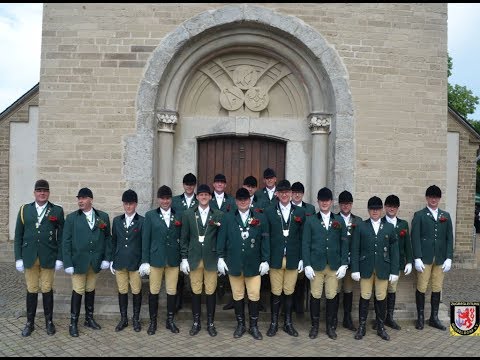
[38, 252]
[432, 242]
[374, 260]
[87, 250]
[243, 249]
[161, 255]
[198, 242]
[127, 255]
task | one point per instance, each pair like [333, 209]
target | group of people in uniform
[212, 237]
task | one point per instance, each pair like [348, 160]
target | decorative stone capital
[320, 123]
[166, 120]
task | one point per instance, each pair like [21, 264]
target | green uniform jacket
[430, 238]
[127, 242]
[83, 246]
[161, 245]
[375, 252]
[228, 204]
[263, 201]
[179, 204]
[354, 221]
[190, 246]
[243, 255]
[322, 247]
[309, 208]
[44, 242]
[292, 243]
[404, 242]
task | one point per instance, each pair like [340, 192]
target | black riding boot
[170, 324]
[196, 310]
[75, 305]
[380, 311]
[240, 315]
[288, 325]
[420, 300]
[137, 305]
[374, 327]
[123, 304]
[335, 314]
[390, 309]
[89, 307]
[299, 296]
[153, 311]
[330, 314]
[48, 312]
[275, 309]
[347, 311]
[362, 316]
[32, 301]
[314, 316]
[179, 296]
[211, 304]
[253, 313]
[434, 321]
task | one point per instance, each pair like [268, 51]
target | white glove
[222, 266]
[69, 270]
[263, 268]
[19, 265]
[342, 270]
[408, 269]
[447, 264]
[144, 269]
[393, 278]
[419, 265]
[112, 270]
[105, 265]
[184, 267]
[58, 265]
[300, 266]
[356, 276]
[309, 273]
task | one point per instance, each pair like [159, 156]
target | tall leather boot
[288, 325]
[196, 309]
[179, 296]
[314, 316]
[48, 312]
[171, 304]
[335, 312]
[434, 321]
[153, 312]
[390, 309]
[330, 322]
[253, 309]
[137, 305]
[275, 309]
[32, 301]
[240, 315]
[362, 316]
[420, 300]
[347, 311]
[123, 304]
[299, 296]
[211, 303]
[374, 327]
[75, 305]
[380, 312]
[89, 308]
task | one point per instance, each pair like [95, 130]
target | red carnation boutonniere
[53, 218]
[214, 223]
[442, 219]
[403, 233]
[336, 225]
[101, 225]
[258, 210]
[297, 219]
[353, 226]
[178, 223]
[228, 207]
[254, 222]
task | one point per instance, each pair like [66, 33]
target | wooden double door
[237, 158]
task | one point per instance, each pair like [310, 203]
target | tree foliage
[461, 98]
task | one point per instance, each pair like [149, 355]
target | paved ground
[460, 285]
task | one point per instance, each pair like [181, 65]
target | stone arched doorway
[184, 96]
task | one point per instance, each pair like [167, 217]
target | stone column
[166, 122]
[319, 124]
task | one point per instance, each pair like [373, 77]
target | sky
[20, 47]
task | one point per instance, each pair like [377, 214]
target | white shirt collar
[40, 206]
[433, 211]
[165, 213]
[285, 208]
[130, 217]
[204, 211]
[88, 213]
[392, 220]
[376, 222]
[346, 218]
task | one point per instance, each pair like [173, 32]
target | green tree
[461, 98]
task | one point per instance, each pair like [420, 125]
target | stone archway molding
[139, 149]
